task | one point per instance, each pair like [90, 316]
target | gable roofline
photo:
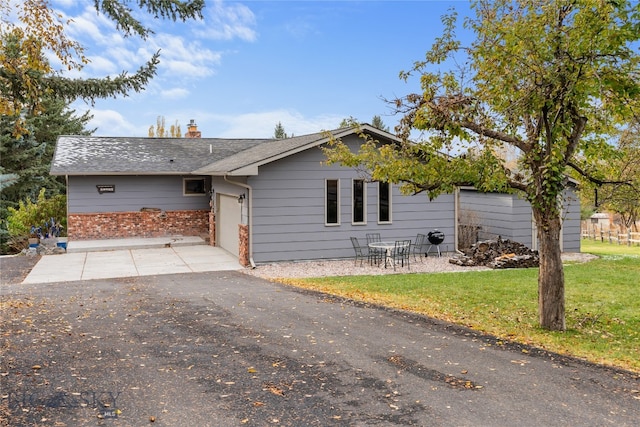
[248, 162]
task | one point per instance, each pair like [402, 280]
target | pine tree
[25, 160]
[26, 74]
[377, 122]
[279, 132]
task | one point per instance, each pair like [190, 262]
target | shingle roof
[93, 155]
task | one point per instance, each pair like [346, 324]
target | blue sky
[251, 64]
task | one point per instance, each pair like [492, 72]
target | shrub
[469, 225]
[20, 221]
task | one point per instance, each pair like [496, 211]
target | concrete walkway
[105, 259]
[133, 243]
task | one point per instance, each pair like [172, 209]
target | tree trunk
[551, 308]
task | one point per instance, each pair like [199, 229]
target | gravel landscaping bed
[326, 268]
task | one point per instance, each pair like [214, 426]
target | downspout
[250, 214]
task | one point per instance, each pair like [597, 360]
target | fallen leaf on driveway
[274, 389]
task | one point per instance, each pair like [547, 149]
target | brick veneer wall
[243, 232]
[212, 229]
[112, 225]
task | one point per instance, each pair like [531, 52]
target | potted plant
[62, 238]
[34, 237]
[48, 234]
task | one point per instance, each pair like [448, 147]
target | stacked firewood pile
[498, 253]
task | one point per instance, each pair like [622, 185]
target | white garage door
[227, 224]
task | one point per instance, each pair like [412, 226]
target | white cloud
[178, 69]
[94, 27]
[262, 124]
[226, 22]
[112, 123]
[175, 93]
[184, 59]
[64, 3]
[101, 66]
[300, 29]
[111, 53]
[129, 58]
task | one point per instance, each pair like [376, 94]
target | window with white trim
[332, 205]
[359, 202]
[384, 202]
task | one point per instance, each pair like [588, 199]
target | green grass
[602, 303]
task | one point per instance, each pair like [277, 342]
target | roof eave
[119, 173]
[250, 170]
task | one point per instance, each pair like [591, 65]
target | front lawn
[602, 303]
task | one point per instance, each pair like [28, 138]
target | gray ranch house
[263, 200]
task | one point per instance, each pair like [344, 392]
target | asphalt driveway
[228, 349]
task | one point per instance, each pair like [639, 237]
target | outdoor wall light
[241, 198]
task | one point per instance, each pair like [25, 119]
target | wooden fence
[596, 232]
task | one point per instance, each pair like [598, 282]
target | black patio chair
[417, 248]
[401, 252]
[373, 237]
[361, 252]
[375, 254]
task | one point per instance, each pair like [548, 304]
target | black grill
[435, 237]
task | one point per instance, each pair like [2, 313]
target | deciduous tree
[548, 78]
[618, 186]
[160, 131]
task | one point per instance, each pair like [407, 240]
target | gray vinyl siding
[503, 215]
[571, 221]
[132, 193]
[510, 217]
[289, 212]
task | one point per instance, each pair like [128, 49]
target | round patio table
[388, 248]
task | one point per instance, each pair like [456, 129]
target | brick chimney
[193, 131]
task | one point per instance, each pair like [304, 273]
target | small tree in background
[345, 123]
[377, 122]
[616, 187]
[279, 132]
[160, 130]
